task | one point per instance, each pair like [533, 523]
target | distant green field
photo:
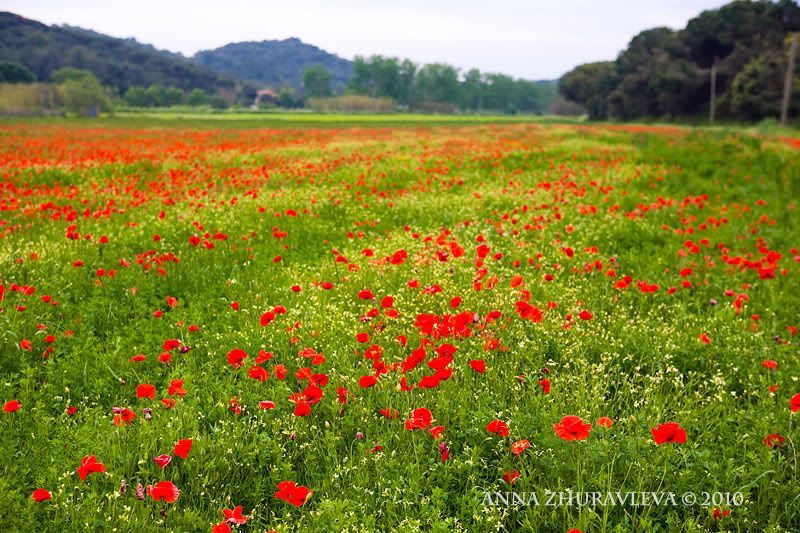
[255, 119]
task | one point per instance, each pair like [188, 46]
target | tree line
[667, 73]
[439, 87]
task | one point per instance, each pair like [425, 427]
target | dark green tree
[589, 85]
[317, 81]
[156, 96]
[197, 97]
[11, 72]
[218, 102]
[136, 97]
[286, 98]
[173, 96]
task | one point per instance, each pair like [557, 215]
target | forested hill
[667, 73]
[120, 63]
[274, 63]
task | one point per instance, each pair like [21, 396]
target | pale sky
[531, 39]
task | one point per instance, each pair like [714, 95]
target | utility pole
[713, 105]
[789, 81]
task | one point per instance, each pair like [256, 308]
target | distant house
[265, 97]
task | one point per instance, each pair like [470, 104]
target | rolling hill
[121, 63]
[274, 63]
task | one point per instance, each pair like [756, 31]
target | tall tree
[317, 81]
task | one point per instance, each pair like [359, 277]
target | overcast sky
[531, 39]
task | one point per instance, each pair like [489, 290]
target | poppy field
[395, 328]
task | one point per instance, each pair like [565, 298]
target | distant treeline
[666, 73]
[438, 87]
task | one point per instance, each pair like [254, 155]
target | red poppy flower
[302, 408]
[327, 285]
[770, 364]
[295, 494]
[257, 373]
[520, 446]
[773, 441]
[497, 426]
[182, 448]
[572, 428]
[390, 413]
[123, 415]
[234, 516]
[719, 514]
[221, 528]
[605, 422]
[12, 406]
[585, 315]
[90, 465]
[437, 432]
[176, 387]
[171, 344]
[165, 490]
[545, 384]
[366, 382]
[420, 419]
[366, 294]
[145, 390]
[41, 495]
[162, 460]
[510, 477]
[478, 365]
[668, 433]
[794, 404]
[266, 405]
[236, 357]
[25, 344]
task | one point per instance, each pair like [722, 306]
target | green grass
[527, 189]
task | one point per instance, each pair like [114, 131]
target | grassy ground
[644, 274]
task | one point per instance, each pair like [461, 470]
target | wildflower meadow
[412, 327]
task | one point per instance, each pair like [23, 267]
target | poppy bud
[359, 435]
[139, 492]
[293, 436]
[545, 371]
[123, 487]
[148, 413]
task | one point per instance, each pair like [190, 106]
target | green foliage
[666, 73]
[120, 63]
[11, 72]
[286, 98]
[197, 97]
[317, 81]
[71, 74]
[758, 89]
[274, 63]
[82, 93]
[439, 87]
[218, 102]
[590, 85]
[136, 97]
